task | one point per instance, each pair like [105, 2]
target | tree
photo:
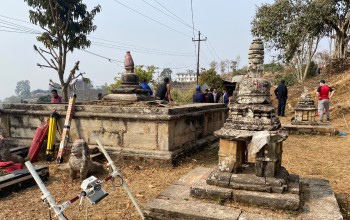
[292, 27]
[44, 99]
[211, 78]
[213, 65]
[145, 74]
[23, 89]
[223, 65]
[66, 25]
[166, 72]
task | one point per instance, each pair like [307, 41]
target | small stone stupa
[305, 111]
[130, 90]
[252, 127]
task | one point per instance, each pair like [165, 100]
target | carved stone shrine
[130, 90]
[253, 129]
[305, 111]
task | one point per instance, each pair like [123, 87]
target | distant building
[189, 76]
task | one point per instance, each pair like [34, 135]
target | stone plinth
[176, 202]
[131, 129]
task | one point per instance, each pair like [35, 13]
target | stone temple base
[317, 201]
[322, 129]
[281, 192]
[128, 97]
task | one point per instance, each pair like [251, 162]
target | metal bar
[126, 188]
[46, 194]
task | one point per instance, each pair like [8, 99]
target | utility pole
[199, 46]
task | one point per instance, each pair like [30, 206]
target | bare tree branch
[42, 66]
[72, 72]
[50, 66]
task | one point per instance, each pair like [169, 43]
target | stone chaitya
[305, 111]
[130, 90]
[253, 128]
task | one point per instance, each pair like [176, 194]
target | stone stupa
[252, 127]
[129, 90]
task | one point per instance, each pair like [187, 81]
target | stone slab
[319, 203]
[325, 129]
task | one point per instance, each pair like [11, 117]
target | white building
[189, 76]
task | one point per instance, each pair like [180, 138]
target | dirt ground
[310, 156]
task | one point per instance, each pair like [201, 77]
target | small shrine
[305, 111]
[130, 90]
[252, 128]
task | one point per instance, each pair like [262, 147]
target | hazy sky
[226, 24]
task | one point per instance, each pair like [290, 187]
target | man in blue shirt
[144, 85]
[198, 96]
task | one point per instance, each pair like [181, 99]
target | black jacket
[281, 91]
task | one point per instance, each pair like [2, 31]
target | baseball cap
[198, 88]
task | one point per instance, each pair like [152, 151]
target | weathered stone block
[141, 127]
[274, 200]
[231, 155]
[218, 178]
[140, 141]
[204, 191]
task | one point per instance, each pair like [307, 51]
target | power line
[210, 52]
[175, 17]
[139, 47]
[109, 59]
[19, 32]
[17, 26]
[213, 50]
[15, 19]
[112, 46]
[195, 47]
[151, 18]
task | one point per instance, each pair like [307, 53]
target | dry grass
[310, 156]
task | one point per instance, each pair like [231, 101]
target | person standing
[281, 93]
[55, 98]
[198, 96]
[324, 94]
[225, 97]
[210, 96]
[216, 96]
[144, 85]
[163, 92]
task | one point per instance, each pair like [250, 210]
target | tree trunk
[340, 51]
[65, 92]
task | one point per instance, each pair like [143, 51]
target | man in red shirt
[55, 98]
[324, 94]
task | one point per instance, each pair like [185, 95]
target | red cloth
[10, 166]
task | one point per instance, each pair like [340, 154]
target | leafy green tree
[291, 26]
[44, 99]
[166, 72]
[116, 84]
[145, 73]
[23, 89]
[211, 78]
[66, 25]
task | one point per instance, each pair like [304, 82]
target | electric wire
[109, 59]
[151, 18]
[138, 47]
[118, 47]
[178, 18]
[213, 49]
[210, 51]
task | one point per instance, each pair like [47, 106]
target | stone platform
[317, 201]
[322, 129]
[130, 129]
